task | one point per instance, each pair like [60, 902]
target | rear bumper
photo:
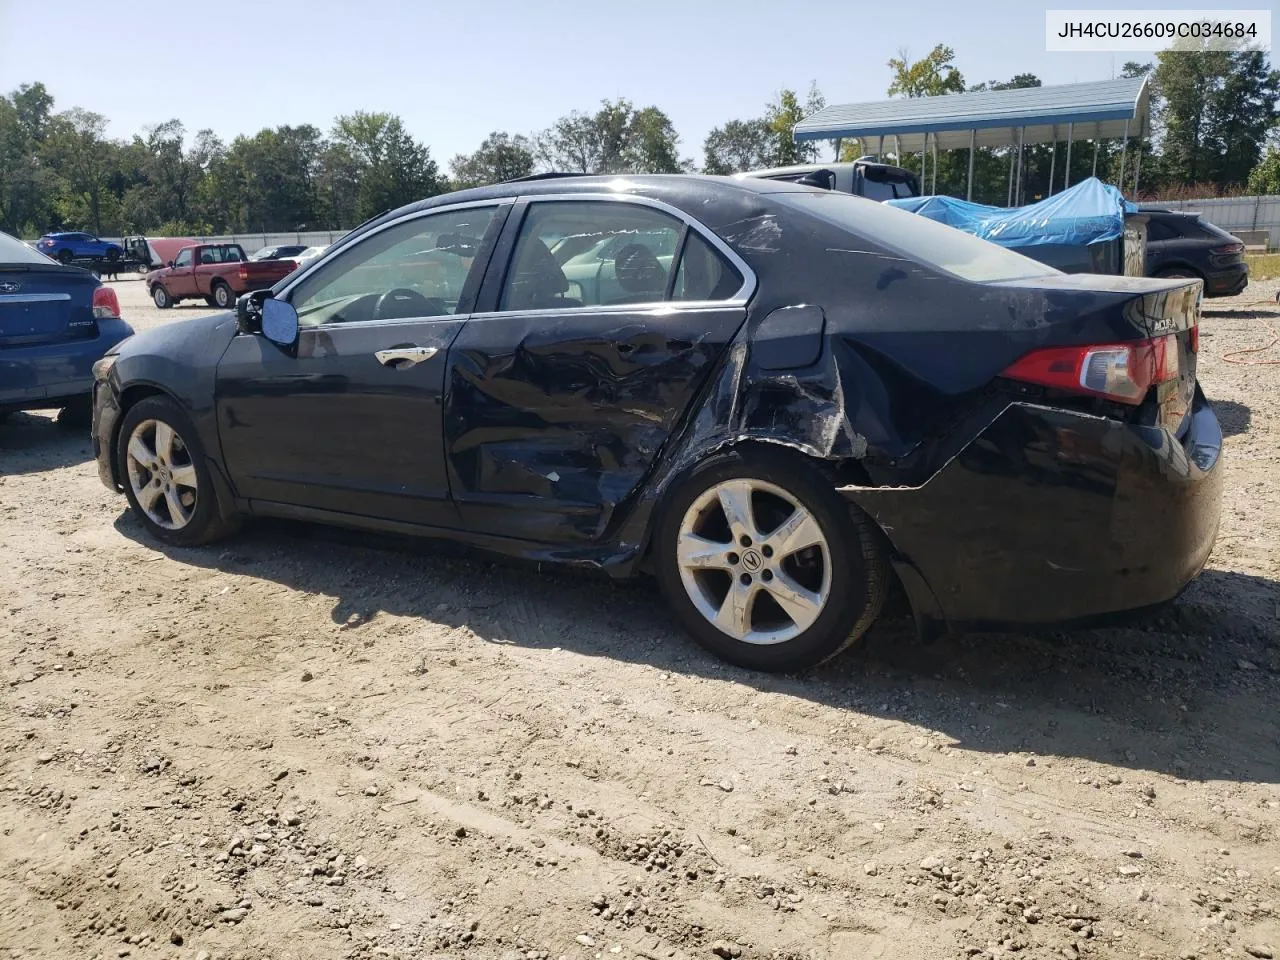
[1227, 282]
[1050, 516]
[51, 374]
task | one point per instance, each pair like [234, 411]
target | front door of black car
[353, 422]
[608, 318]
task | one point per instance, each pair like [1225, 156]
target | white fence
[255, 241]
[1235, 213]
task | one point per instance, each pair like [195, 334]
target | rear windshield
[13, 250]
[919, 238]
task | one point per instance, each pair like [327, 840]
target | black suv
[1183, 245]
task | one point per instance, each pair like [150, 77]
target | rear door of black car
[352, 422]
[599, 319]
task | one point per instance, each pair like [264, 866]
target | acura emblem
[10, 286]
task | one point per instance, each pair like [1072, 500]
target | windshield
[13, 250]
[919, 238]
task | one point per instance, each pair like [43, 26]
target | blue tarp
[1089, 212]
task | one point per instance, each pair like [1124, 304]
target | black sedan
[781, 401]
[1185, 245]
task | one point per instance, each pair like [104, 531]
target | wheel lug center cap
[752, 561]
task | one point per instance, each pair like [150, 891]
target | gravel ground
[305, 744]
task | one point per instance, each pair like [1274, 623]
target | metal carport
[1099, 110]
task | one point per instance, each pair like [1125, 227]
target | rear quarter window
[918, 238]
[13, 250]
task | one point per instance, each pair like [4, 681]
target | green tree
[393, 168]
[77, 147]
[500, 157]
[617, 138]
[28, 187]
[652, 143]
[268, 181]
[737, 146]
[1265, 177]
[934, 75]
[1218, 107]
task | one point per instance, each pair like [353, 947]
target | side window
[589, 253]
[876, 190]
[1158, 230]
[184, 258]
[415, 269]
[704, 272]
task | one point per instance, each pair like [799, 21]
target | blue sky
[457, 70]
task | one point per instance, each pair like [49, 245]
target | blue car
[74, 246]
[56, 321]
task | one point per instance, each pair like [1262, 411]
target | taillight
[1229, 248]
[1120, 371]
[244, 274]
[105, 303]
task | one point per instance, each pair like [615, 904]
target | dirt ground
[305, 744]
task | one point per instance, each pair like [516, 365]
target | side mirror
[168, 263]
[280, 323]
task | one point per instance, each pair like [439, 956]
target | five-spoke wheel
[754, 561]
[161, 465]
[765, 563]
[161, 474]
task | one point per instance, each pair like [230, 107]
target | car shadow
[1233, 417]
[31, 442]
[1188, 690]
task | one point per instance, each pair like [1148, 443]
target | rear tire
[802, 579]
[113, 254]
[223, 298]
[65, 256]
[161, 464]
[161, 297]
[1178, 273]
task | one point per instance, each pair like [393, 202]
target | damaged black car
[783, 402]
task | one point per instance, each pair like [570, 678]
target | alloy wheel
[161, 474]
[754, 561]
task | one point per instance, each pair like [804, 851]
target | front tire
[223, 298]
[161, 297]
[765, 564]
[165, 474]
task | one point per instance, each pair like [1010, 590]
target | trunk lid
[1175, 312]
[1092, 309]
[45, 303]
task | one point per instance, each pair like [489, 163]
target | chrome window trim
[739, 299]
[337, 249]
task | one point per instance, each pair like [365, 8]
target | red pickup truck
[218, 272]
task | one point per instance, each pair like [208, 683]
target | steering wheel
[403, 302]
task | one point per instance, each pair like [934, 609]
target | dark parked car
[56, 321]
[1184, 245]
[780, 400]
[278, 253]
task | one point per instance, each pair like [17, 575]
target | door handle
[405, 356]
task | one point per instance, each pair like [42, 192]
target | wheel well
[1179, 265]
[839, 473]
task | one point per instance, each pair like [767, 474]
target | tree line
[1214, 124]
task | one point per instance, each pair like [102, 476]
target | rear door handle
[405, 356]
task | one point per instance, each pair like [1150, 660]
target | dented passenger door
[604, 316]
